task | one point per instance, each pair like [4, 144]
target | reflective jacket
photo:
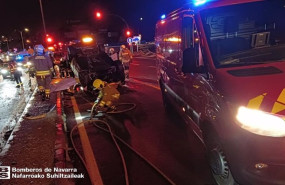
[125, 55]
[108, 95]
[43, 65]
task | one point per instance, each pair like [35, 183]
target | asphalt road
[13, 101]
[164, 141]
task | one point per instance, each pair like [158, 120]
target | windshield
[246, 34]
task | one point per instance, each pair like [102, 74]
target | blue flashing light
[199, 2]
[163, 16]
[19, 57]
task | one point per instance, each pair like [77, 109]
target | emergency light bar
[199, 2]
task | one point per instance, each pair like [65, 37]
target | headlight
[261, 123]
[29, 63]
[4, 71]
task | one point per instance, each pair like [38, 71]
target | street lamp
[140, 25]
[21, 33]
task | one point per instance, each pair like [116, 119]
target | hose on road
[113, 138]
[39, 116]
[97, 123]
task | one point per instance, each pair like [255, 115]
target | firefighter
[108, 96]
[31, 51]
[31, 73]
[44, 69]
[113, 55]
[126, 57]
[17, 73]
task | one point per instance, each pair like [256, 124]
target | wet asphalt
[164, 141]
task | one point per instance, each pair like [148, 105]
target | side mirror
[190, 56]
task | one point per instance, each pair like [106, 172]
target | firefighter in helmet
[108, 96]
[44, 69]
[126, 57]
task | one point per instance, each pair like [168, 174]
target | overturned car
[88, 65]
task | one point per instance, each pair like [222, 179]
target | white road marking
[89, 156]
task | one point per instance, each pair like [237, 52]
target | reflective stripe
[255, 102]
[281, 97]
[42, 73]
[279, 105]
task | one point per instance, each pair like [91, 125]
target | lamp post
[43, 18]
[21, 33]
[140, 25]
[7, 41]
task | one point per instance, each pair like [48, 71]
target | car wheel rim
[219, 163]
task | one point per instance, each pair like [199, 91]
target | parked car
[221, 66]
[6, 72]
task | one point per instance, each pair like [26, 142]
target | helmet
[98, 84]
[123, 46]
[39, 49]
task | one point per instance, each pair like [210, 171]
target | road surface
[165, 142]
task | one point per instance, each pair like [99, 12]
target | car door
[195, 88]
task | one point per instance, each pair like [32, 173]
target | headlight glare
[261, 123]
[4, 71]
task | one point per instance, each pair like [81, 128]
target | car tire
[224, 176]
[217, 158]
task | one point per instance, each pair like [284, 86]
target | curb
[60, 141]
[61, 145]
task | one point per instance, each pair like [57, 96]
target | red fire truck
[221, 66]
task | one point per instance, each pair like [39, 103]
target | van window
[192, 57]
[246, 34]
[172, 40]
[187, 33]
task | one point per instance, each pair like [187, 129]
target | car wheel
[217, 158]
[220, 169]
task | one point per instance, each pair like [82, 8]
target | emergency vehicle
[221, 67]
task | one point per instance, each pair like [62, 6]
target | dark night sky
[16, 14]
